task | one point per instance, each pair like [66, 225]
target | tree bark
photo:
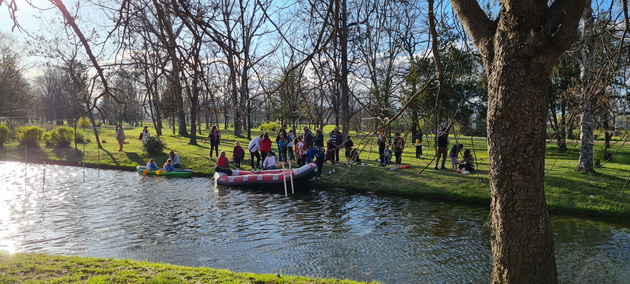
[587, 124]
[519, 50]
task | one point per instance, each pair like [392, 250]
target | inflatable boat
[160, 172]
[267, 178]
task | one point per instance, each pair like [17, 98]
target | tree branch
[477, 24]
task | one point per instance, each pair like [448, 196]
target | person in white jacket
[253, 147]
[270, 162]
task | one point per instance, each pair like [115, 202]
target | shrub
[270, 126]
[153, 146]
[62, 136]
[48, 140]
[84, 122]
[4, 134]
[29, 135]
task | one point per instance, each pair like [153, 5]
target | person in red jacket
[223, 165]
[238, 154]
[265, 145]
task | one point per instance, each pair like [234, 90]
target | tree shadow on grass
[134, 157]
[111, 157]
[30, 153]
[67, 154]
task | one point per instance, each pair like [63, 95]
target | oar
[291, 177]
[284, 179]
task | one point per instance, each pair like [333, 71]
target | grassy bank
[603, 193]
[40, 268]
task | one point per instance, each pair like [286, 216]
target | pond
[334, 233]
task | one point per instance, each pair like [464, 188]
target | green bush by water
[62, 136]
[30, 135]
[153, 146]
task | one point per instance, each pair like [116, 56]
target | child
[301, 152]
[418, 149]
[348, 144]
[387, 157]
[168, 166]
[223, 165]
[238, 154]
[151, 165]
[270, 161]
[454, 154]
[398, 145]
[467, 162]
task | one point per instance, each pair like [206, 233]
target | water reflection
[321, 233]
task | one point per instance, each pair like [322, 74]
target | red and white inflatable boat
[267, 178]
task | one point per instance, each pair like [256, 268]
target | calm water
[87, 212]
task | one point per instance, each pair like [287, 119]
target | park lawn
[602, 193]
[42, 268]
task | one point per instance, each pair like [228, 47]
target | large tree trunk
[519, 50]
[587, 124]
[522, 248]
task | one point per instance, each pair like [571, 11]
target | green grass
[41, 268]
[603, 193]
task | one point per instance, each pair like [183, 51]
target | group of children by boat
[172, 163]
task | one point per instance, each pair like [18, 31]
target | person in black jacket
[441, 145]
[348, 144]
[336, 139]
[318, 145]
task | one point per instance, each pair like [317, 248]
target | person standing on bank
[380, 141]
[290, 143]
[145, 135]
[238, 154]
[282, 132]
[318, 145]
[265, 145]
[336, 139]
[441, 145]
[398, 145]
[281, 141]
[215, 139]
[120, 136]
[418, 139]
[254, 147]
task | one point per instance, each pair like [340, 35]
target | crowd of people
[301, 149]
[307, 147]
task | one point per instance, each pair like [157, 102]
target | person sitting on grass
[151, 165]
[168, 166]
[467, 163]
[223, 165]
[270, 161]
[348, 144]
